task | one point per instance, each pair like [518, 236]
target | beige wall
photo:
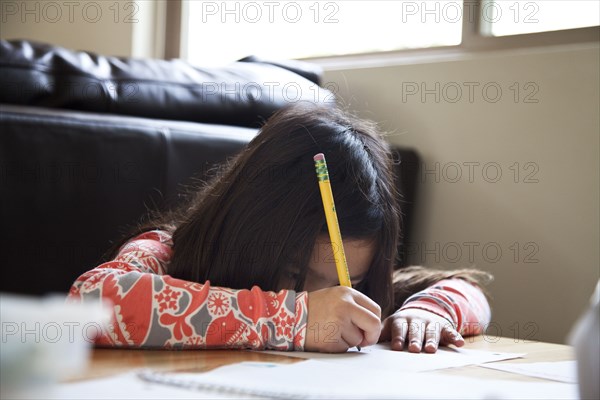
[551, 212]
[116, 28]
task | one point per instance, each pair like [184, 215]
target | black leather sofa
[88, 144]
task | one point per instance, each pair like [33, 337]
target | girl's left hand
[420, 329]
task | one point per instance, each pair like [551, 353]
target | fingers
[368, 323]
[424, 336]
[416, 331]
[449, 335]
[366, 316]
[366, 302]
[432, 337]
[341, 318]
[353, 337]
[418, 335]
[399, 329]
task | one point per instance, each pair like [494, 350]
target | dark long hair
[261, 215]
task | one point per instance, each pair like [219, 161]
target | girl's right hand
[340, 318]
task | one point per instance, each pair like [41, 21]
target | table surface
[106, 362]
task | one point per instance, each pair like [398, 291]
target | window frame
[472, 40]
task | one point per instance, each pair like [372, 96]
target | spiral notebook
[313, 379]
[310, 379]
[373, 373]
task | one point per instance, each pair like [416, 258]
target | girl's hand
[340, 318]
[419, 329]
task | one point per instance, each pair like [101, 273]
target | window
[298, 29]
[216, 32]
[502, 18]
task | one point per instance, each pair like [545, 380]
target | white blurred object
[585, 337]
[45, 340]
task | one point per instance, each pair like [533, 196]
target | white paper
[318, 379]
[561, 371]
[122, 386]
[305, 379]
[380, 356]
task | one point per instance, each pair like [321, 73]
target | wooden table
[106, 362]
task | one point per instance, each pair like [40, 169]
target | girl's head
[261, 220]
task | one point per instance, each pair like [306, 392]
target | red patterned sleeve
[460, 302]
[154, 310]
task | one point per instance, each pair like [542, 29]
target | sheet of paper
[561, 371]
[306, 379]
[122, 386]
[318, 379]
[380, 356]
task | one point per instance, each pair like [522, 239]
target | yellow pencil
[332, 222]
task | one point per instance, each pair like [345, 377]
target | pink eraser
[319, 157]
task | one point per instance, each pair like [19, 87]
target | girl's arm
[437, 315]
[458, 301]
[154, 310]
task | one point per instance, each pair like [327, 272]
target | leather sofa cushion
[240, 93]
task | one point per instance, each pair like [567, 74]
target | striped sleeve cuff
[460, 302]
[436, 303]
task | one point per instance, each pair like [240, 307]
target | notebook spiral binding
[151, 376]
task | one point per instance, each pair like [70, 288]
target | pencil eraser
[319, 157]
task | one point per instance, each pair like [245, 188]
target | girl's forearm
[462, 303]
[155, 311]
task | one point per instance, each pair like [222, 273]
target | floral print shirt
[154, 310]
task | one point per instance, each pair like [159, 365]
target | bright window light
[510, 17]
[224, 31]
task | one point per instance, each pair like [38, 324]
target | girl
[247, 263]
